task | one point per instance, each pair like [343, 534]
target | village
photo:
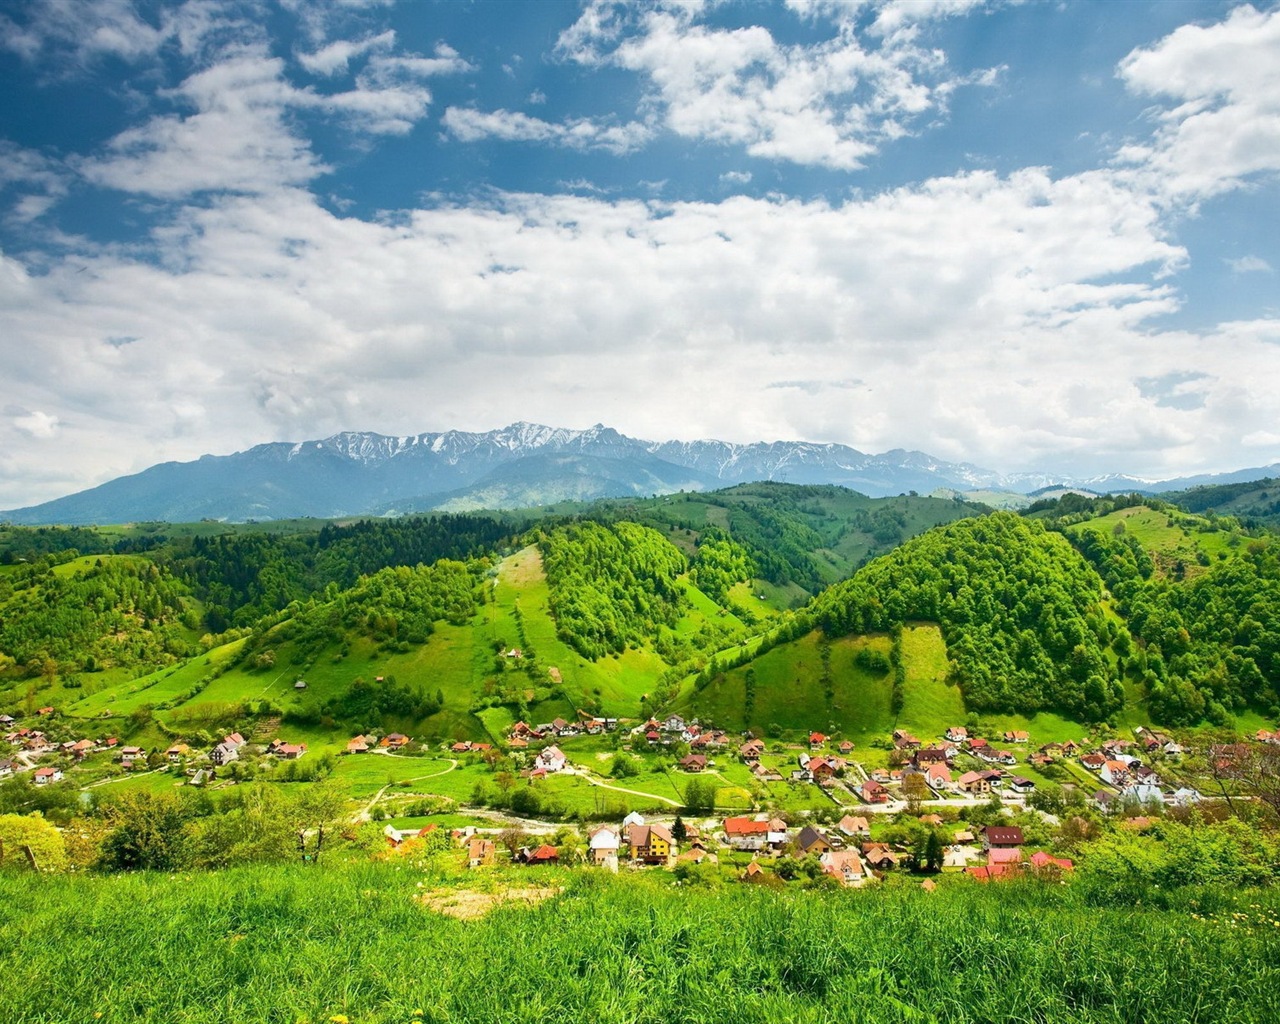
[812, 807]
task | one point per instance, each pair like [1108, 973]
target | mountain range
[522, 465]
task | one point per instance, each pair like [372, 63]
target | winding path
[367, 813]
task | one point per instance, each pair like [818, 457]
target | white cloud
[736, 177]
[337, 55]
[469, 125]
[1249, 265]
[1225, 79]
[833, 103]
[37, 424]
[1004, 320]
[237, 139]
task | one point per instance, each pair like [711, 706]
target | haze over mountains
[521, 465]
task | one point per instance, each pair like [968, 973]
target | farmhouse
[874, 793]
[845, 866]
[693, 762]
[1001, 836]
[810, 841]
[394, 741]
[651, 844]
[974, 782]
[224, 753]
[480, 852]
[43, 776]
[746, 833]
[359, 744]
[854, 826]
[602, 844]
[551, 759]
[177, 752]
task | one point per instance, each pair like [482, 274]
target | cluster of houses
[522, 733]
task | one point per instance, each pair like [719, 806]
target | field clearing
[364, 774]
[931, 705]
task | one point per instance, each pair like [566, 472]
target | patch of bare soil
[469, 904]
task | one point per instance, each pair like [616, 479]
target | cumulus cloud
[832, 103]
[337, 55]
[1013, 311]
[469, 125]
[1225, 81]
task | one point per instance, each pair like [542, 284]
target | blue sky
[1032, 236]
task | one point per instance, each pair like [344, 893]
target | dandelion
[339, 1018]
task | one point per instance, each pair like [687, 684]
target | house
[552, 759]
[879, 856]
[1093, 762]
[290, 751]
[816, 739]
[44, 711]
[394, 741]
[926, 756]
[938, 776]
[224, 753]
[821, 769]
[201, 776]
[1004, 855]
[957, 734]
[177, 752]
[1017, 736]
[651, 844]
[1105, 800]
[359, 745]
[540, 855]
[1044, 862]
[674, 723]
[81, 748]
[1001, 836]
[1184, 797]
[300, 684]
[810, 840]
[461, 747]
[1143, 794]
[854, 826]
[693, 762]
[480, 852]
[7, 768]
[1115, 772]
[130, 754]
[1021, 785]
[602, 844]
[43, 776]
[846, 747]
[904, 740]
[873, 792]
[235, 739]
[845, 866]
[746, 833]
[7, 720]
[974, 782]
[751, 751]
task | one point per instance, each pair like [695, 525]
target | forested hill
[1020, 609]
[802, 538]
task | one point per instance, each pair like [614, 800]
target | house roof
[745, 827]
[1004, 835]
[810, 836]
[1004, 855]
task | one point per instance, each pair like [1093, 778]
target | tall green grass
[308, 944]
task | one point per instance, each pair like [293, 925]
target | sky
[1032, 236]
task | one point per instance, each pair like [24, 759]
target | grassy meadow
[355, 943]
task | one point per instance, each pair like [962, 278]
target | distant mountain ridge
[521, 465]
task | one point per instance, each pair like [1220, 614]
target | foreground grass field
[354, 943]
